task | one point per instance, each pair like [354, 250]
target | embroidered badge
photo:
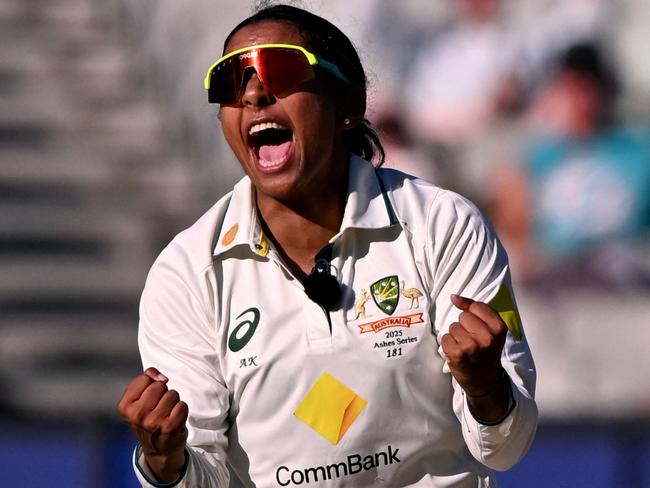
[385, 293]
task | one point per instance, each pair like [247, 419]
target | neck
[300, 229]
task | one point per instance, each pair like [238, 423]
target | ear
[352, 107]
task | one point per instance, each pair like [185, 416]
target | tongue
[275, 152]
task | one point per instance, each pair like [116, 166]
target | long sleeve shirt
[282, 392]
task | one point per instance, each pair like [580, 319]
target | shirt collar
[367, 207]
[241, 226]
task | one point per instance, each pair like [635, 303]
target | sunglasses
[280, 67]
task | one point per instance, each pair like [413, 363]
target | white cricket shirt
[283, 393]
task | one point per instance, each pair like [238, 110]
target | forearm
[166, 468]
[495, 404]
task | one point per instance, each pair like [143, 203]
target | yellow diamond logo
[330, 408]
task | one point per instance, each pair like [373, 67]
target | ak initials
[247, 362]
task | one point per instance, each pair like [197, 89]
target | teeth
[267, 164]
[265, 125]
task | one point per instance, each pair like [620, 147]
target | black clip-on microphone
[320, 286]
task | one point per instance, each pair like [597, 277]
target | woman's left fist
[473, 347]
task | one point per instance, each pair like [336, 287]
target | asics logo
[244, 331]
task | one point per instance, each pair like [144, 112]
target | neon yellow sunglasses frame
[313, 59]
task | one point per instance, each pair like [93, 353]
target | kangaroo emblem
[360, 306]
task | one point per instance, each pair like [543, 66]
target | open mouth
[272, 143]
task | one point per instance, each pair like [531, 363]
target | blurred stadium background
[108, 148]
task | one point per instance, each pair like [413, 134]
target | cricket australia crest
[385, 293]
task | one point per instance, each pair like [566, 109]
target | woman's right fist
[157, 417]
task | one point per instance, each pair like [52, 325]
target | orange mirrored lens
[279, 69]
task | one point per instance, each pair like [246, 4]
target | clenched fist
[157, 416]
[473, 349]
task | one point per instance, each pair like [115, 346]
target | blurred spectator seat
[91, 187]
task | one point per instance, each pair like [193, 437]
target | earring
[346, 121]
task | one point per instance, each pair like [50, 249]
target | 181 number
[394, 352]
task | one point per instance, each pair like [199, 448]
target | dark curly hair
[326, 40]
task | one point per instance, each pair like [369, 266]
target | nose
[255, 94]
